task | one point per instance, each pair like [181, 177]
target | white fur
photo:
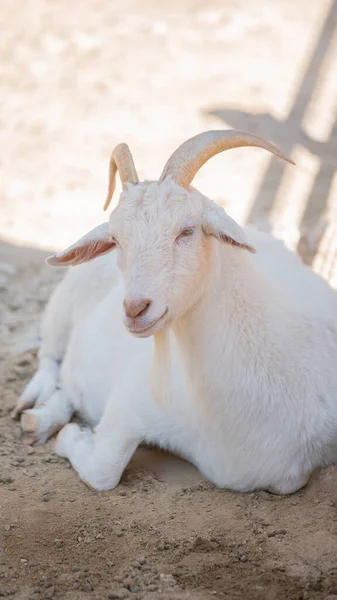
[253, 346]
[161, 371]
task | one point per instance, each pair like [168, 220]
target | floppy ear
[218, 223]
[95, 243]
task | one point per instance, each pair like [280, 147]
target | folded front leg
[100, 456]
[40, 423]
[41, 386]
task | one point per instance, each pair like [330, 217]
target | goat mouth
[149, 328]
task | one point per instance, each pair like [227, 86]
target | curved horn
[186, 161]
[121, 160]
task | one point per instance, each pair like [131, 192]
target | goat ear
[218, 223]
[95, 243]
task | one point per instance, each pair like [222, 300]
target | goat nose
[136, 308]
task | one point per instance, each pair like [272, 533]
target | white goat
[253, 339]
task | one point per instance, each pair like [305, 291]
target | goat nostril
[136, 309]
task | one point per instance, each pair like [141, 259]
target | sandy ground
[77, 78]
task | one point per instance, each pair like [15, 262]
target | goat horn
[186, 161]
[121, 160]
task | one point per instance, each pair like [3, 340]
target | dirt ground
[77, 78]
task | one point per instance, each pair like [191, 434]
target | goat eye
[186, 232]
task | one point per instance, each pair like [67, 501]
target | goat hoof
[29, 423]
[34, 431]
[29, 440]
[18, 410]
[15, 414]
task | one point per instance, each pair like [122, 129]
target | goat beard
[161, 371]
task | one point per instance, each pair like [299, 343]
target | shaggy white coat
[252, 344]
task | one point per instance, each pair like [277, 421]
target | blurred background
[78, 78]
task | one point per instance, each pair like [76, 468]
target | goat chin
[160, 370]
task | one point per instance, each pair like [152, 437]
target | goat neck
[224, 328]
